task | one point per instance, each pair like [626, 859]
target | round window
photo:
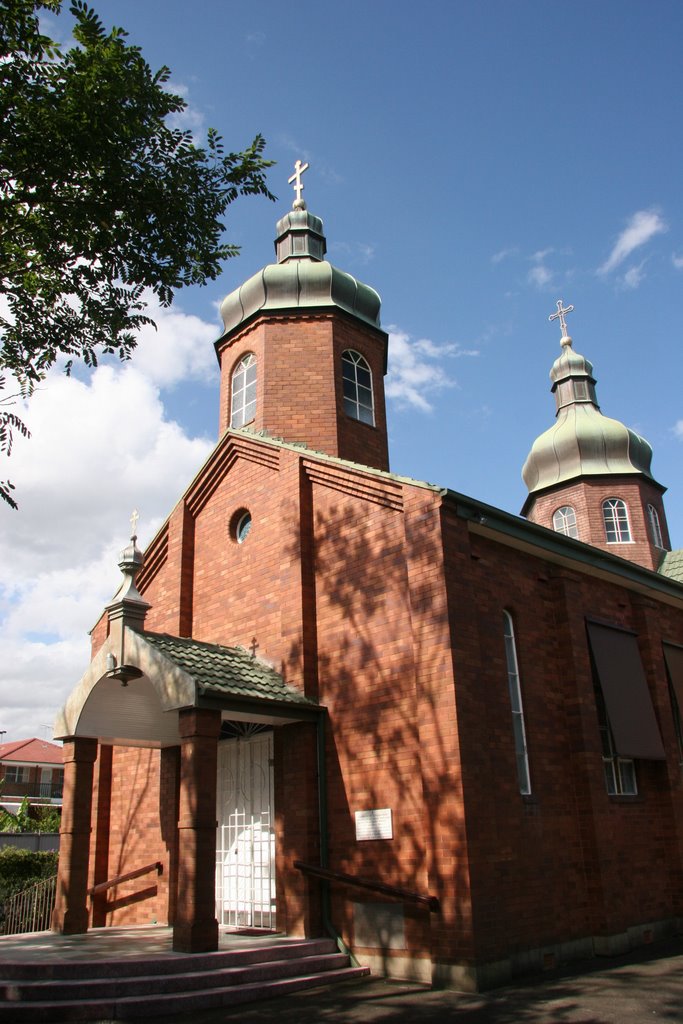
[240, 526]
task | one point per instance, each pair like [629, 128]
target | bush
[20, 869]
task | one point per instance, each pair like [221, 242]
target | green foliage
[20, 869]
[103, 200]
[30, 818]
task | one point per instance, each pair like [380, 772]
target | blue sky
[474, 162]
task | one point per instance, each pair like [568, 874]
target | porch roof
[135, 686]
[228, 671]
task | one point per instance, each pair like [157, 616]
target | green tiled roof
[672, 565]
[228, 671]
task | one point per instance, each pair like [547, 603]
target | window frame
[617, 771]
[17, 773]
[566, 524]
[614, 515]
[655, 526]
[516, 706]
[353, 406]
[245, 412]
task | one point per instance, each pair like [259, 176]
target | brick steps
[121, 989]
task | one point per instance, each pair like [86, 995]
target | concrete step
[162, 986]
[174, 963]
[151, 983]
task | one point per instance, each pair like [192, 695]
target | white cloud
[633, 276]
[416, 371]
[503, 254]
[100, 447]
[677, 261]
[678, 429]
[540, 276]
[191, 119]
[643, 226]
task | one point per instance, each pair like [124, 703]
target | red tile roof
[33, 751]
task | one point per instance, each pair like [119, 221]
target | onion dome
[582, 442]
[301, 279]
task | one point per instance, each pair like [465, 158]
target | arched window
[564, 521]
[516, 704]
[655, 528]
[243, 395]
[615, 516]
[357, 380]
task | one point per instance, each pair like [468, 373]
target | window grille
[564, 521]
[357, 383]
[615, 516]
[243, 399]
[655, 528]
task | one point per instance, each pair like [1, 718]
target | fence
[30, 840]
[37, 790]
[30, 910]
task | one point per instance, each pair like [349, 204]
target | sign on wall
[374, 824]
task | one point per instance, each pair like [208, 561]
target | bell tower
[589, 476]
[303, 355]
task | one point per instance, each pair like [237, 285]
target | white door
[245, 843]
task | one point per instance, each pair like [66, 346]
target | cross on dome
[560, 315]
[135, 515]
[296, 181]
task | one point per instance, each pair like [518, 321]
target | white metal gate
[245, 843]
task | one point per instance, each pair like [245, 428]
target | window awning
[673, 655]
[627, 698]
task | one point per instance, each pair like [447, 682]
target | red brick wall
[586, 497]
[141, 829]
[299, 393]
[370, 594]
[569, 861]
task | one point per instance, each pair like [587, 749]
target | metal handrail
[392, 891]
[95, 890]
[30, 910]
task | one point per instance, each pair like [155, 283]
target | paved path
[646, 986]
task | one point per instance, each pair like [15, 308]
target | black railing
[37, 790]
[393, 892]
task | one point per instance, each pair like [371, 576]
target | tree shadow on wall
[380, 619]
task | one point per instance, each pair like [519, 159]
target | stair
[162, 986]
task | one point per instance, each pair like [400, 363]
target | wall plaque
[374, 824]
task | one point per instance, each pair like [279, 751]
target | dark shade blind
[627, 698]
[674, 662]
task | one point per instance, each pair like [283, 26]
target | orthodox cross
[134, 523]
[299, 169]
[560, 316]
[254, 646]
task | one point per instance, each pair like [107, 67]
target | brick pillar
[102, 813]
[195, 928]
[70, 916]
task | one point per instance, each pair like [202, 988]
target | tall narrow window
[516, 704]
[655, 528]
[357, 380]
[615, 516]
[564, 521]
[243, 395]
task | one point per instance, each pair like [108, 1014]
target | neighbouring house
[466, 723]
[31, 768]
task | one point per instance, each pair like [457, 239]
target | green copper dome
[301, 279]
[582, 442]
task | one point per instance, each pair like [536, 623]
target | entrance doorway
[245, 841]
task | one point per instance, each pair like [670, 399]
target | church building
[330, 699]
